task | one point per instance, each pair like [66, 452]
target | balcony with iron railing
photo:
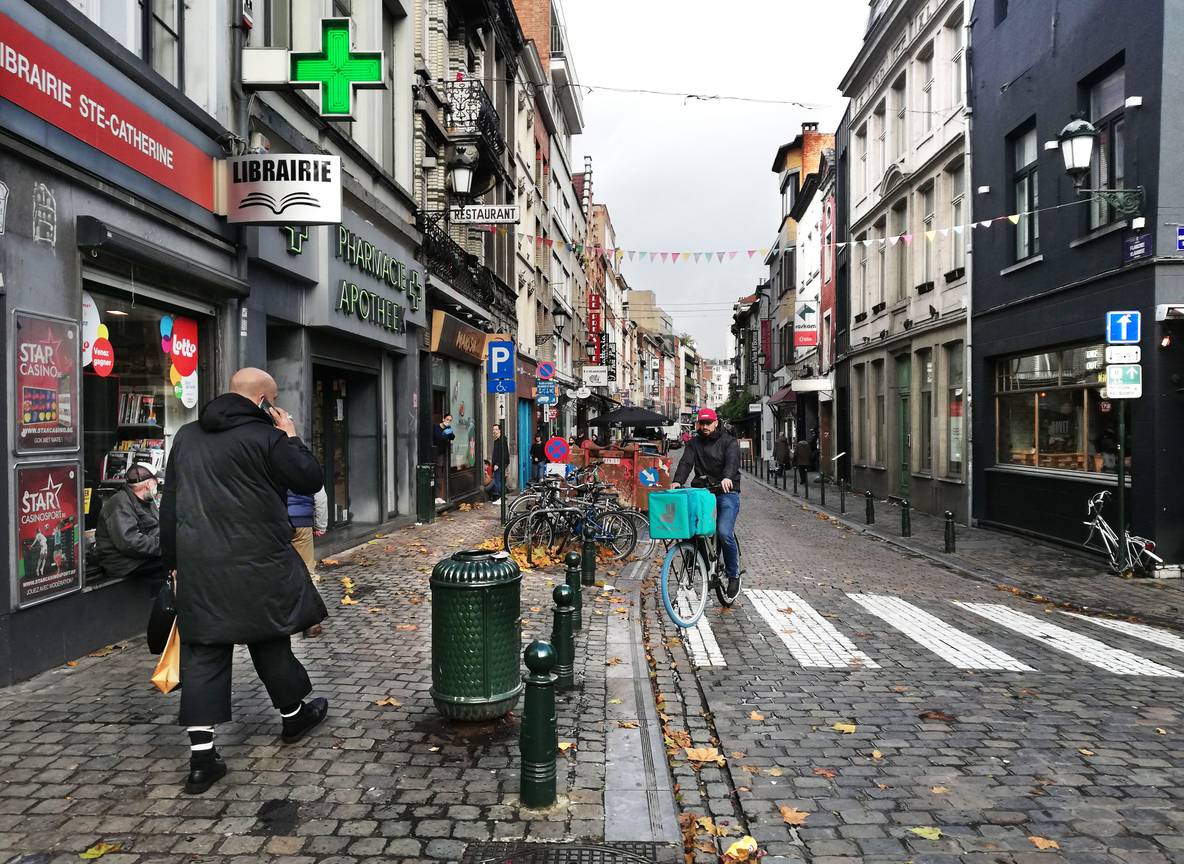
[463, 271]
[469, 114]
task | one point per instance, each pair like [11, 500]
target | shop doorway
[330, 438]
[525, 440]
[904, 423]
[439, 409]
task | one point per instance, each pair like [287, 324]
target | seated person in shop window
[127, 538]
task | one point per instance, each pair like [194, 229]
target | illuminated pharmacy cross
[336, 70]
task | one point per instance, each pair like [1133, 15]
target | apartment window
[878, 419]
[925, 413]
[1050, 412]
[955, 430]
[152, 30]
[900, 227]
[824, 346]
[899, 114]
[881, 163]
[957, 52]
[277, 24]
[1106, 99]
[957, 181]
[925, 68]
[881, 264]
[1027, 194]
[863, 272]
[861, 432]
[789, 194]
[828, 248]
[929, 241]
[861, 151]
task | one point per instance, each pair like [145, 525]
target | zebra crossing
[819, 638]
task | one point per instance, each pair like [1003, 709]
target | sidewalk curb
[985, 575]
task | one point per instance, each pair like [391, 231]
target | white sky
[696, 176]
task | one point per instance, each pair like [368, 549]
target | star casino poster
[47, 399]
[48, 559]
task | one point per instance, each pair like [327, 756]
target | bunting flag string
[719, 256]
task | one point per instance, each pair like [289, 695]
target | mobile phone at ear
[266, 406]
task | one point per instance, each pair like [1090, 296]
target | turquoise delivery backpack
[679, 514]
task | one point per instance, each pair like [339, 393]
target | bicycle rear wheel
[684, 584]
[526, 532]
[645, 543]
[617, 534]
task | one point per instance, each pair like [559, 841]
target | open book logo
[266, 199]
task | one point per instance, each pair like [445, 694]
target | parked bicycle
[693, 565]
[1140, 552]
[557, 529]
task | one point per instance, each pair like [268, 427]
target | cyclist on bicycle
[715, 457]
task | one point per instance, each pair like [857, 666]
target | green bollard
[588, 557]
[950, 541]
[562, 637]
[572, 560]
[906, 521]
[538, 739]
[870, 509]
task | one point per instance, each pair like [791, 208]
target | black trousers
[802, 472]
[206, 678]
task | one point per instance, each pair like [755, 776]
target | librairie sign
[336, 70]
[288, 189]
[36, 77]
[485, 214]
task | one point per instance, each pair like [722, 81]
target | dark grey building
[1045, 436]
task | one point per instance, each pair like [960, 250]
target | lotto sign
[556, 449]
[184, 346]
[102, 357]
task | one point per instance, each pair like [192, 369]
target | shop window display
[141, 383]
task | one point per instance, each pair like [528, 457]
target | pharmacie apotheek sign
[368, 305]
[289, 189]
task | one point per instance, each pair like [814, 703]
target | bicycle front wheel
[684, 584]
[618, 534]
[527, 532]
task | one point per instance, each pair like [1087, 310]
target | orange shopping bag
[167, 674]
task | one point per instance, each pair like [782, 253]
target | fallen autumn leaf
[793, 816]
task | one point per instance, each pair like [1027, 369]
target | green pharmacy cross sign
[336, 69]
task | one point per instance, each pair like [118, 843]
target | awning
[785, 394]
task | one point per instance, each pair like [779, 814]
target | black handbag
[162, 616]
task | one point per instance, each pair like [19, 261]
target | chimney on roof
[810, 127]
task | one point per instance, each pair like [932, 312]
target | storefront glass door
[904, 423]
[330, 439]
[525, 439]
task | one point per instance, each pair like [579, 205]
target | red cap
[708, 414]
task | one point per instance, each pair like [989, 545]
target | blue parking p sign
[1122, 327]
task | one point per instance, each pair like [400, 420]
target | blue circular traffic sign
[648, 476]
[546, 371]
[556, 449]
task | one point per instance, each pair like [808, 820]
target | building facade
[1045, 433]
[906, 349]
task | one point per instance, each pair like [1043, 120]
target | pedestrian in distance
[781, 453]
[225, 531]
[500, 458]
[309, 515]
[442, 436]
[538, 457]
[802, 455]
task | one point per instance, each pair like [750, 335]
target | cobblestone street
[872, 706]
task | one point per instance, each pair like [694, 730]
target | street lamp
[461, 168]
[1078, 140]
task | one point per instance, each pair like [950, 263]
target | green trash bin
[476, 627]
[425, 493]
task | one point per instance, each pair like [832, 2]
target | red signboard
[46, 367]
[184, 346]
[767, 342]
[48, 559]
[45, 83]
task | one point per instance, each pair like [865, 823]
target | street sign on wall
[1124, 381]
[1123, 354]
[499, 366]
[1122, 327]
[595, 376]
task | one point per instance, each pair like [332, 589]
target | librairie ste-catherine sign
[42, 81]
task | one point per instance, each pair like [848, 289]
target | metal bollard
[794, 469]
[842, 496]
[806, 484]
[572, 560]
[588, 557]
[950, 532]
[538, 740]
[870, 509]
[906, 520]
[822, 489]
[563, 638]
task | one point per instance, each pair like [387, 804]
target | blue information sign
[648, 476]
[1122, 327]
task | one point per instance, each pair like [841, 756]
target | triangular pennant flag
[929, 235]
[698, 255]
[840, 245]
[958, 230]
[751, 252]
[719, 256]
[549, 242]
[666, 255]
[732, 254]
[653, 255]
[1014, 218]
[943, 231]
[892, 241]
[632, 253]
[986, 223]
[763, 252]
[907, 238]
[675, 256]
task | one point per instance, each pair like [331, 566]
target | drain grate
[569, 853]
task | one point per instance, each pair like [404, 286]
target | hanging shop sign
[42, 81]
[46, 383]
[485, 214]
[336, 70]
[288, 189]
[454, 338]
[48, 534]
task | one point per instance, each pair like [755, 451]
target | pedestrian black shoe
[310, 716]
[205, 769]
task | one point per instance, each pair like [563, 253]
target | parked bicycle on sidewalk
[1140, 557]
